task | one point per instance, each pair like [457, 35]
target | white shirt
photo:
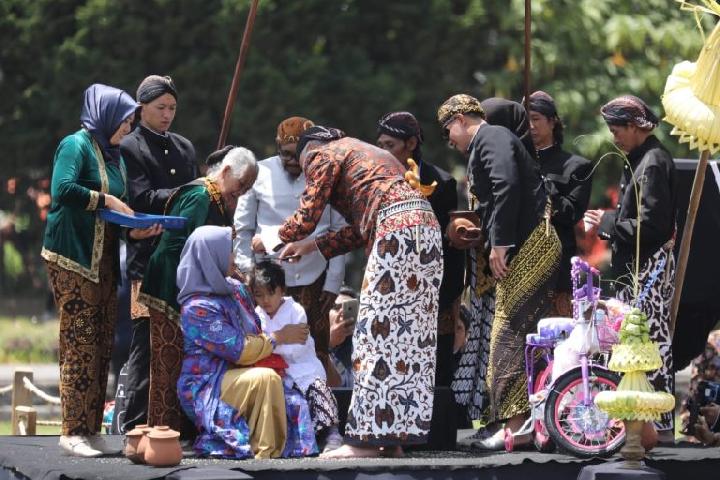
[262, 211]
[303, 365]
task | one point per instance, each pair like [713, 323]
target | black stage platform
[39, 457]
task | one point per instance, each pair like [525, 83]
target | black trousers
[131, 399]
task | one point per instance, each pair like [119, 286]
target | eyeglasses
[446, 126]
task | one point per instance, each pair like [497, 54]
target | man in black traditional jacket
[524, 250]
[157, 162]
[645, 281]
[568, 181]
[400, 134]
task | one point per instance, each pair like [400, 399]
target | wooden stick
[528, 39]
[232, 96]
[27, 421]
[684, 252]
[20, 396]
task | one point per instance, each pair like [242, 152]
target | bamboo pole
[684, 252]
[527, 65]
[232, 96]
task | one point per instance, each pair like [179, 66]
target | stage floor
[39, 457]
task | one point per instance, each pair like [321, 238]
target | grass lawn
[23, 340]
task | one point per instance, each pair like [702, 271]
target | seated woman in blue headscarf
[241, 410]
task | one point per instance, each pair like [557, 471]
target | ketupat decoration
[412, 176]
[692, 105]
[692, 95]
[635, 401]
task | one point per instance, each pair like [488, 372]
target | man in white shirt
[312, 281]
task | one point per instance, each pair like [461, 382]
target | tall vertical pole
[528, 39]
[232, 96]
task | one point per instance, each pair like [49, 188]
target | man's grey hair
[239, 159]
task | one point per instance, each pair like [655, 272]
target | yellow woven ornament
[692, 93]
[643, 357]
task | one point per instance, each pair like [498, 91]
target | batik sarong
[87, 312]
[166, 345]
[521, 299]
[469, 384]
[323, 405]
[395, 336]
[657, 285]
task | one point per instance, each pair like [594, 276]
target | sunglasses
[446, 126]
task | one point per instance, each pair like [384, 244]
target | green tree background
[340, 62]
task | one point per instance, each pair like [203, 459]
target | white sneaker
[78, 446]
[98, 443]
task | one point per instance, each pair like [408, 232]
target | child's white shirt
[303, 365]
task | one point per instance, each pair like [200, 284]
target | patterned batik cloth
[317, 315]
[656, 305]
[469, 384]
[87, 311]
[395, 338]
[215, 331]
[166, 346]
[323, 405]
[521, 299]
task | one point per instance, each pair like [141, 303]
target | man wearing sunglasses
[505, 183]
[311, 280]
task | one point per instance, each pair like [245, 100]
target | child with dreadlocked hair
[304, 369]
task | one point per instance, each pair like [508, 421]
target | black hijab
[511, 115]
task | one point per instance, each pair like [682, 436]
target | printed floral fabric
[214, 331]
[395, 338]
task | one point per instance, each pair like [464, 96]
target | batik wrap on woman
[240, 411]
[651, 167]
[200, 202]
[512, 205]
[395, 335]
[81, 253]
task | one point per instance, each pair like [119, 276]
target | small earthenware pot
[163, 448]
[132, 440]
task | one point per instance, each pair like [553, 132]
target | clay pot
[648, 436]
[163, 448]
[464, 229]
[132, 440]
[142, 444]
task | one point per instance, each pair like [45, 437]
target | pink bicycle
[563, 413]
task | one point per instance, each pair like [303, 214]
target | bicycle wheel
[583, 431]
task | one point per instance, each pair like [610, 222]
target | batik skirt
[521, 299]
[87, 312]
[657, 285]
[396, 333]
[478, 304]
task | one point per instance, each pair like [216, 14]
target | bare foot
[350, 451]
[392, 452]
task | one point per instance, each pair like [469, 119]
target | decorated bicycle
[574, 353]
